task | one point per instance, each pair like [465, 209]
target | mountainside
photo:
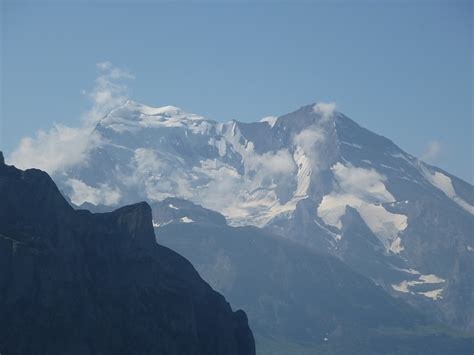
[298, 301]
[313, 176]
[73, 282]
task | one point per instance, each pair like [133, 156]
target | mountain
[313, 176]
[73, 282]
[299, 301]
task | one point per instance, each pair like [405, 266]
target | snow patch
[444, 183]
[396, 246]
[271, 120]
[402, 287]
[304, 172]
[335, 236]
[221, 147]
[352, 145]
[434, 294]
[158, 225]
[133, 117]
[186, 220]
[430, 279]
[364, 190]
[400, 155]
[411, 271]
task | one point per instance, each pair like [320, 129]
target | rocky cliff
[74, 282]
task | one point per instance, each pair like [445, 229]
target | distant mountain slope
[299, 301]
[313, 176]
[73, 282]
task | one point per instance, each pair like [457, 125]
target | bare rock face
[300, 301]
[73, 282]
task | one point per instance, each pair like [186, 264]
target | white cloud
[62, 147]
[432, 151]
[211, 183]
[309, 138]
[325, 109]
[56, 149]
[155, 176]
[109, 91]
[101, 195]
[366, 183]
[149, 168]
[312, 139]
[279, 162]
[147, 161]
[223, 188]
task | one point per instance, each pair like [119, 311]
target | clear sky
[400, 68]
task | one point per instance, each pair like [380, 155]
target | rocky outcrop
[73, 282]
[178, 210]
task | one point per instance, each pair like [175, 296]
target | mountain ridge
[295, 175]
[73, 282]
[299, 300]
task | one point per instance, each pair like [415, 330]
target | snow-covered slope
[312, 175]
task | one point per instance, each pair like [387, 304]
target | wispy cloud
[61, 147]
[312, 138]
[54, 150]
[325, 109]
[109, 91]
[432, 151]
[103, 194]
[271, 163]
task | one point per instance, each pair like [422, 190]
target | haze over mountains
[312, 176]
[298, 301]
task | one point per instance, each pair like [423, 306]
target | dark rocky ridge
[173, 209]
[73, 282]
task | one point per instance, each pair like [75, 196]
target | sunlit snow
[364, 190]
[444, 183]
[406, 286]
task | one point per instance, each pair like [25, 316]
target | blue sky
[400, 68]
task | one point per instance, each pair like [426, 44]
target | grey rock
[74, 282]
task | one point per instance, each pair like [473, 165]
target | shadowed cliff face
[73, 282]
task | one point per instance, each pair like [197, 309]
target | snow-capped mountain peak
[133, 116]
[254, 172]
[312, 175]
